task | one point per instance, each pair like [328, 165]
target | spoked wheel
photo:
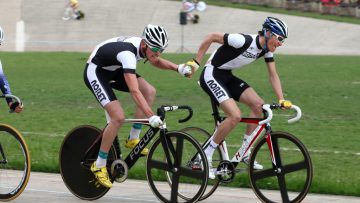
[293, 174]
[14, 163]
[183, 175]
[75, 170]
[202, 137]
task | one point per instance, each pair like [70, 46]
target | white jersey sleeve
[235, 40]
[128, 61]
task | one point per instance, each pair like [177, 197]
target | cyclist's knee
[150, 93]
[234, 118]
[256, 107]
[117, 120]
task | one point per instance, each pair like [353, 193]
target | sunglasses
[279, 38]
[156, 49]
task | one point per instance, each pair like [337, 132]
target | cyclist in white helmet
[220, 84]
[5, 86]
[112, 65]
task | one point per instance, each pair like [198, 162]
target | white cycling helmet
[155, 36]
[276, 26]
[1, 35]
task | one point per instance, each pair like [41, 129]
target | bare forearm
[165, 64]
[141, 103]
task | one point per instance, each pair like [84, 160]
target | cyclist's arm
[136, 95]
[275, 80]
[205, 44]
[163, 64]
[4, 84]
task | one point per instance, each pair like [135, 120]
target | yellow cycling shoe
[132, 143]
[101, 175]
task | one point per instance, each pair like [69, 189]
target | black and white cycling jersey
[118, 52]
[237, 51]
[107, 64]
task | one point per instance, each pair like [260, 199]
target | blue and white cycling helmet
[276, 26]
[155, 36]
[1, 35]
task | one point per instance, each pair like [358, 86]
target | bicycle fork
[274, 149]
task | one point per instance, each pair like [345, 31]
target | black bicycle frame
[135, 153]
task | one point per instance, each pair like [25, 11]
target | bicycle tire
[295, 164]
[202, 136]
[182, 149]
[77, 176]
[15, 171]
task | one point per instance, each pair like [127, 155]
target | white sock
[135, 131]
[100, 162]
[209, 151]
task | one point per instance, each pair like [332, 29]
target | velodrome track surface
[49, 188]
[44, 30]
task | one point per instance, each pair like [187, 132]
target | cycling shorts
[221, 84]
[101, 82]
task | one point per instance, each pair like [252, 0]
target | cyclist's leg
[214, 82]
[254, 102]
[250, 98]
[97, 80]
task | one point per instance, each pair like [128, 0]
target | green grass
[325, 87]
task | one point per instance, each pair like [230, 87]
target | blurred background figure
[189, 6]
[72, 11]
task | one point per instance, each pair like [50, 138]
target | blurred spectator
[189, 6]
[72, 11]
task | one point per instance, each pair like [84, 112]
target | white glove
[155, 121]
[184, 70]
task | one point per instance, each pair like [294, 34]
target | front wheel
[293, 171]
[178, 168]
[14, 163]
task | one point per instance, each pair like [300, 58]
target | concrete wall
[46, 31]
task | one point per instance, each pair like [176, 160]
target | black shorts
[101, 82]
[221, 84]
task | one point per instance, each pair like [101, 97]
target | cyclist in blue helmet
[217, 80]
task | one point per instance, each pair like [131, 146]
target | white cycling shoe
[211, 169]
[246, 160]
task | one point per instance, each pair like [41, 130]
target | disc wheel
[75, 171]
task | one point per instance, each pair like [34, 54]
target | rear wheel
[293, 172]
[75, 170]
[181, 176]
[14, 163]
[202, 136]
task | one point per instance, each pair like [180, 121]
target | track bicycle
[171, 152]
[14, 160]
[284, 157]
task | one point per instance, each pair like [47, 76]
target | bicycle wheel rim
[184, 147]
[15, 170]
[202, 136]
[294, 180]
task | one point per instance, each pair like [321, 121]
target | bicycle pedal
[96, 183]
